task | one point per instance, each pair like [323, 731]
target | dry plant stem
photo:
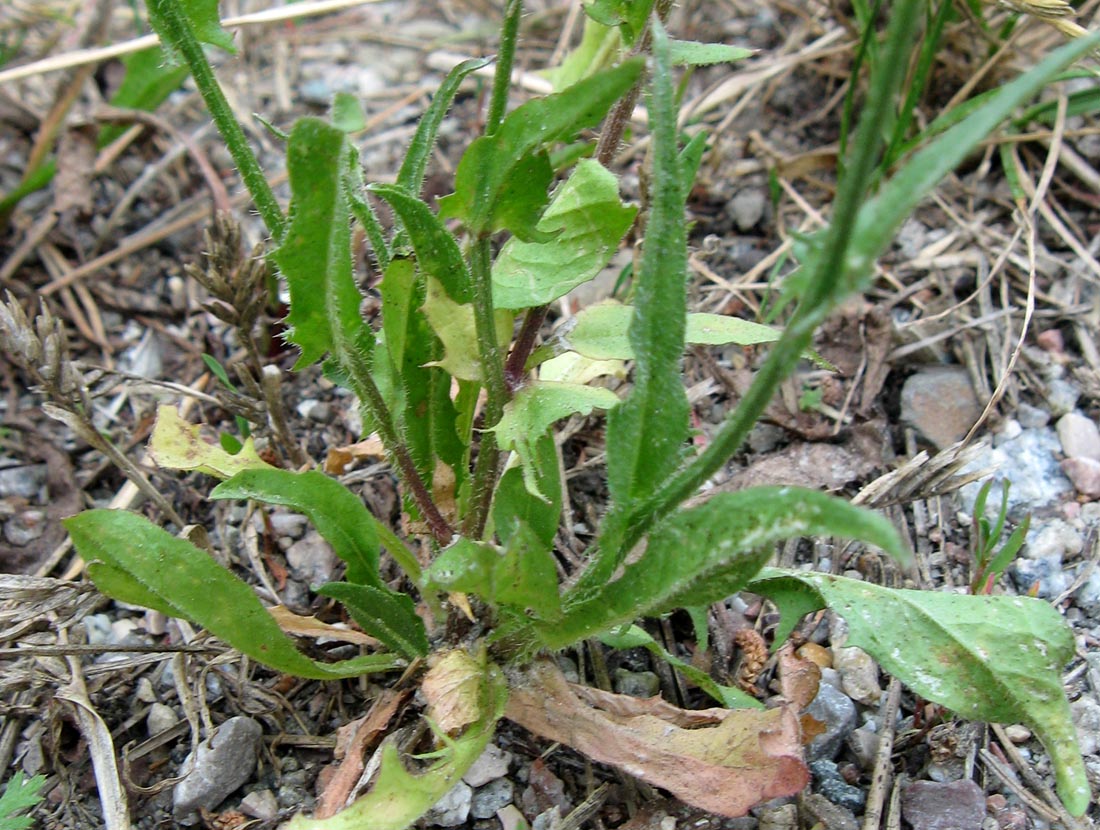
[880, 778]
[271, 384]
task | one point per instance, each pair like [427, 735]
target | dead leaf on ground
[799, 678]
[76, 152]
[452, 688]
[749, 757]
[339, 459]
[626, 706]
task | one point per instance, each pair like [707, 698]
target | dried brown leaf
[452, 688]
[799, 678]
[749, 757]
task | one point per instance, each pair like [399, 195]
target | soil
[105, 247]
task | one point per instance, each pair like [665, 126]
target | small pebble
[312, 560]
[818, 655]
[641, 684]
[830, 783]
[1051, 341]
[161, 718]
[24, 481]
[747, 208]
[956, 805]
[1085, 475]
[453, 809]
[25, 527]
[1032, 417]
[940, 404]
[1086, 717]
[1079, 436]
[491, 764]
[1018, 733]
[219, 766]
[260, 804]
[858, 675]
[1062, 396]
[837, 713]
[1045, 573]
[494, 796]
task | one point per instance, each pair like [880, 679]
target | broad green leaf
[337, 513]
[522, 577]
[389, 616]
[201, 16]
[691, 53]
[501, 180]
[347, 113]
[177, 445]
[702, 555]
[411, 176]
[437, 251]
[598, 49]
[587, 221]
[315, 256]
[988, 658]
[534, 408]
[637, 637]
[629, 15]
[646, 432]
[514, 504]
[572, 367]
[20, 794]
[187, 583]
[454, 324]
[599, 332]
[398, 797]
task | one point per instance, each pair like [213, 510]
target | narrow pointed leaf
[705, 554]
[499, 179]
[692, 53]
[315, 256]
[387, 615]
[646, 433]
[988, 658]
[337, 513]
[186, 582]
[587, 221]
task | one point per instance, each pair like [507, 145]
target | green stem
[502, 80]
[492, 365]
[831, 276]
[176, 28]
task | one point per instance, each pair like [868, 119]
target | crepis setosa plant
[443, 376]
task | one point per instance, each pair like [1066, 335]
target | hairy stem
[502, 80]
[521, 350]
[176, 28]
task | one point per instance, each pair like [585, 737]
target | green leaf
[436, 249]
[636, 637]
[315, 256]
[514, 504]
[200, 15]
[124, 550]
[598, 49]
[534, 408]
[177, 445]
[456, 328]
[587, 221]
[389, 616]
[337, 513]
[988, 658]
[691, 53]
[398, 797]
[522, 577]
[20, 794]
[702, 555]
[501, 180]
[629, 15]
[347, 113]
[411, 176]
[646, 432]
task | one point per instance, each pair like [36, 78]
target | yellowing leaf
[454, 326]
[452, 688]
[177, 445]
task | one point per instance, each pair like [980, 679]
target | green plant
[488, 527]
[989, 563]
[20, 795]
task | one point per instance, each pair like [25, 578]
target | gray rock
[1032, 417]
[1028, 462]
[827, 813]
[1062, 396]
[837, 713]
[858, 675]
[453, 809]
[1086, 717]
[24, 527]
[940, 404]
[160, 718]
[1088, 595]
[641, 684]
[260, 804]
[1047, 572]
[747, 208]
[1085, 475]
[312, 560]
[220, 765]
[24, 481]
[1053, 538]
[831, 784]
[1079, 436]
[929, 805]
[863, 743]
[496, 795]
[490, 765]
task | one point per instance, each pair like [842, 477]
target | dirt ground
[983, 316]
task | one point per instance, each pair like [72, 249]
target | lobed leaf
[704, 554]
[133, 560]
[646, 432]
[988, 658]
[385, 614]
[178, 445]
[501, 180]
[587, 221]
[315, 255]
[337, 513]
[20, 793]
